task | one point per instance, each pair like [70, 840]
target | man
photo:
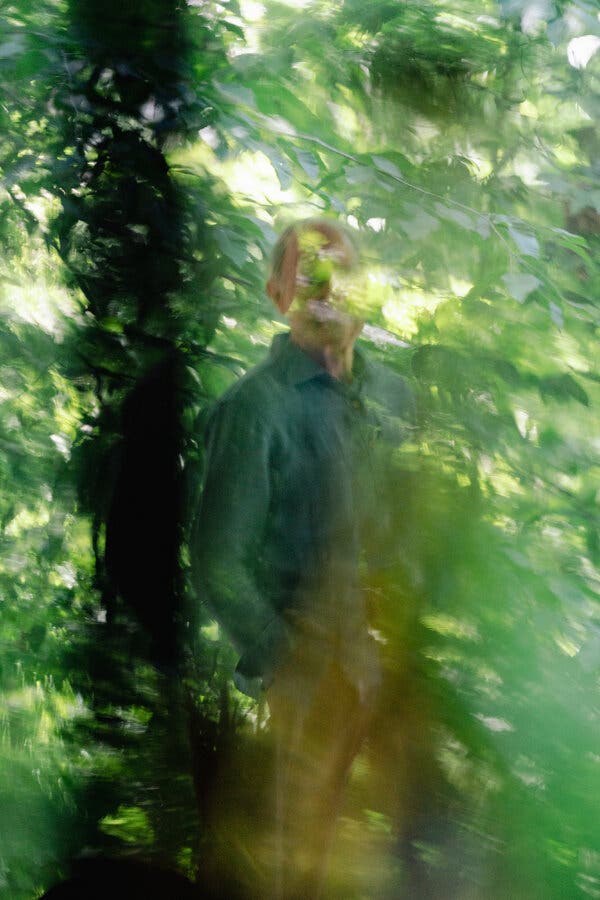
[290, 461]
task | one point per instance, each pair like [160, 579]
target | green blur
[148, 159]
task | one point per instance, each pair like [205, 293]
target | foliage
[140, 196]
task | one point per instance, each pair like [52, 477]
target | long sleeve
[230, 527]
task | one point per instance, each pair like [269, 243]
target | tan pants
[319, 721]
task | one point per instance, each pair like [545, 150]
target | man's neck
[335, 360]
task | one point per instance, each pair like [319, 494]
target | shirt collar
[296, 366]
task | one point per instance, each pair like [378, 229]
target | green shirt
[290, 467]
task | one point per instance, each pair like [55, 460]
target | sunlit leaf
[528, 244]
[520, 284]
[309, 163]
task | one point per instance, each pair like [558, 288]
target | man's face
[326, 285]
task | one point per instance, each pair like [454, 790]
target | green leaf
[527, 243]
[237, 93]
[14, 46]
[233, 249]
[520, 284]
[556, 314]
[387, 166]
[356, 174]
[234, 28]
[563, 387]
[309, 163]
[280, 164]
[457, 216]
[420, 224]
[273, 98]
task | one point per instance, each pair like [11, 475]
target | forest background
[149, 154]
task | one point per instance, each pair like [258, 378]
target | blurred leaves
[148, 156]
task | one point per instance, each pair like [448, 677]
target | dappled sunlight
[406, 305]
[300, 541]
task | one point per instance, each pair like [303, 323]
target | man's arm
[229, 529]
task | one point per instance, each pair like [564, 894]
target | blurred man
[279, 538]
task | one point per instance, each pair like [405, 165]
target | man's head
[308, 256]
[313, 269]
